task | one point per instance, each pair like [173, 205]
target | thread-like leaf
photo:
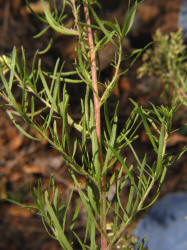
[129, 20]
[101, 25]
[111, 142]
[55, 25]
[146, 126]
[19, 127]
[161, 149]
[59, 233]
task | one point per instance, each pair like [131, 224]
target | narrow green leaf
[130, 200]
[55, 199]
[101, 25]
[146, 126]
[67, 209]
[33, 208]
[59, 233]
[92, 199]
[93, 245]
[34, 13]
[106, 114]
[55, 25]
[151, 203]
[163, 174]
[76, 214]
[103, 42]
[45, 85]
[48, 47]
[116, 217]
[91, 216]
[182, 152]
[111, 142]
[54, 133]
[108, 91]
[129, 173]
[161, 149]
[118, 190]
[41, 33]
[114, 26]
[11, 96]
[53, 104]
[129, 20]
[80, 242]
[12, 67]
[82, 69]
[19, 127]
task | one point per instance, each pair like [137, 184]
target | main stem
[94, 75]
[97, 124]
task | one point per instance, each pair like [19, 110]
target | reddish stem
[94, 74]
[97, 124]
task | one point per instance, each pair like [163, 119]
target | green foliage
[167, 60]
[107, 144]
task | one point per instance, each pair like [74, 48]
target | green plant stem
[97, 125]
[114, 80]
[146, 194]
[75, 15]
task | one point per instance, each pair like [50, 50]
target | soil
[23, 161]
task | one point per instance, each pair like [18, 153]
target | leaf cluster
[167, 60]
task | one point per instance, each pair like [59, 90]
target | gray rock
[165, 226]
[183, 18]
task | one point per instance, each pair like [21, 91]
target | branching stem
[97, 123]
[94, 74]
[75, 15]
